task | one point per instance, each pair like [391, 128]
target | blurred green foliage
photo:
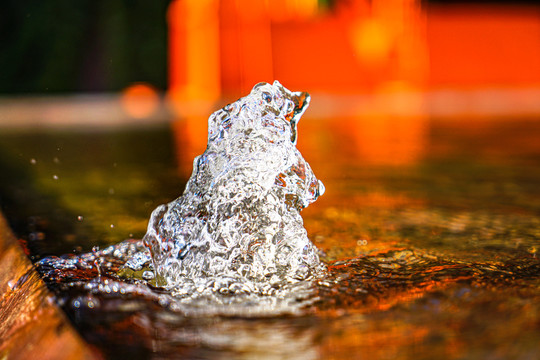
[70, 46]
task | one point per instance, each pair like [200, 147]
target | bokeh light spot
[371, 41]
[140, 100]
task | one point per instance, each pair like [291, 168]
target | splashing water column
[239, 217]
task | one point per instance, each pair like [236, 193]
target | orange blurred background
[378, 70]
[224, 47]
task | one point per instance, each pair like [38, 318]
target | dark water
[430, 229]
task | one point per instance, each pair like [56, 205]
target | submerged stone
[237, 225]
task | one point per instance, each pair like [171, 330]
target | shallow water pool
[430, 229]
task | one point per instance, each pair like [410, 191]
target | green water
[434, 256]
[74, 190]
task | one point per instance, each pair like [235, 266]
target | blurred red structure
[484, 46]
[226, 46]
[398, 54]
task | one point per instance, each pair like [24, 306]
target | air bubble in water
[148, 275]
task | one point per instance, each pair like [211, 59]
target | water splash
[238, 225]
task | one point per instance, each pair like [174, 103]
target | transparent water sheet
[237, 227]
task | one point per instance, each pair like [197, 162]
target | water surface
[430, 229]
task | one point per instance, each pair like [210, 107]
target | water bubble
[111, 191]
[33, 161]
[164, 302]
[80, 218]
[55, 177]
[97, 265]
[56, 160]
[148, 275]
[87, 301]
[36, 235]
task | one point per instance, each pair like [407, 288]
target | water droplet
[33, 161]
[112, 226]
[80, 218]
[55, 177]
[148, 275]
[97, 265]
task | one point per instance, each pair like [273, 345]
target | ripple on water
[376, 281]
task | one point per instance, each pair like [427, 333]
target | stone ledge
[31, 325]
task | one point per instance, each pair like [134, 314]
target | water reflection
[391, 129]
[414, 300]
[432, 255]
[239, 338]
